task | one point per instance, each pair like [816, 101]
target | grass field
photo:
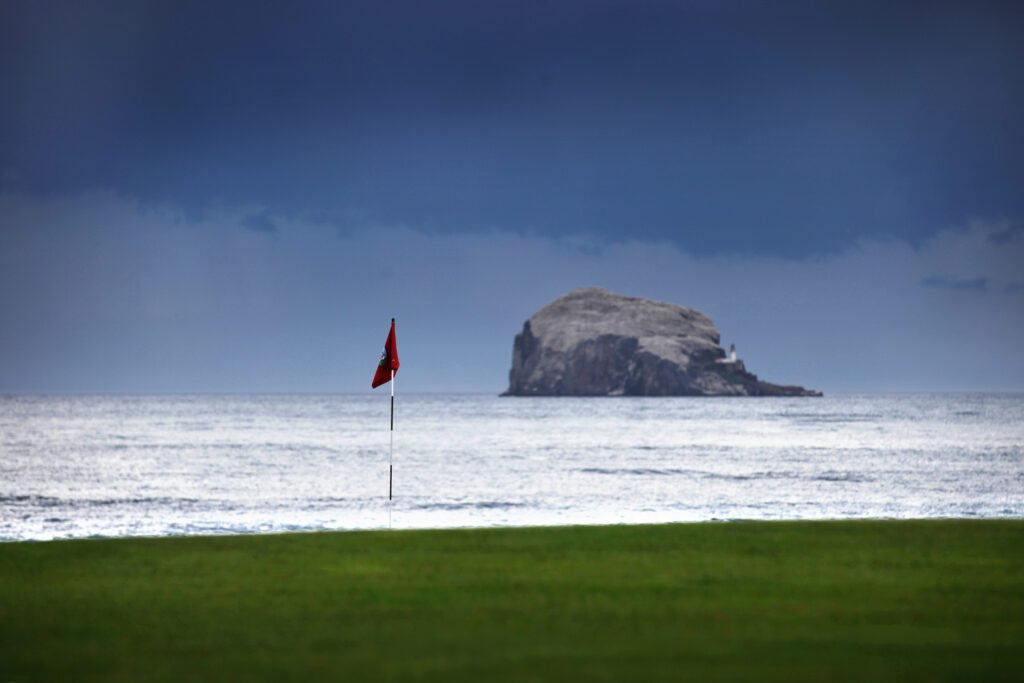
[863, 600]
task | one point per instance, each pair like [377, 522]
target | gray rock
[592, 342]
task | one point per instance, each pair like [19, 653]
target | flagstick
[391, 448]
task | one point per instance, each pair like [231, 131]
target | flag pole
[389, 363]
[391, 447]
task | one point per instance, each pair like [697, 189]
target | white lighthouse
[731, 361]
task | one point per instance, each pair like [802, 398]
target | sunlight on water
[77, 466]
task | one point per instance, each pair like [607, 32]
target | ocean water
[80, 466]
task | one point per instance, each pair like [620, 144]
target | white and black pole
[391, 447]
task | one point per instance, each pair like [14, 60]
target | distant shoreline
[369, 394]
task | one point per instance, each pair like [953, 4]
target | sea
[104, 466]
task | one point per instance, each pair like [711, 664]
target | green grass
[864, 600]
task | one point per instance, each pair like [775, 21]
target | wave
[479, 505]
[843, 476]
[640, 471]
[826, 418]
[675, 472]
[51, 501]
[704, 474]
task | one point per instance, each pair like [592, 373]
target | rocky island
[592, 342]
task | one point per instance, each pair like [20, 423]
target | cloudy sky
[238, 196]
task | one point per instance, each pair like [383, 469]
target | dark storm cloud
[976, 285]
[785, 127]
[1008, 234]
[260, 222]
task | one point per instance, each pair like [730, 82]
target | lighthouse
[731, 361]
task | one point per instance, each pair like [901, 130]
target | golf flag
[388, 360]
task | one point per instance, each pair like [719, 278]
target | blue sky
[239, 196]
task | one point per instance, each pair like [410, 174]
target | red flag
[388, 360]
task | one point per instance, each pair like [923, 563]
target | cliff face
[592, 342]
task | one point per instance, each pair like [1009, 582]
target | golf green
[843, 600]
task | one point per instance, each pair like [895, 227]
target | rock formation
[592, 342]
